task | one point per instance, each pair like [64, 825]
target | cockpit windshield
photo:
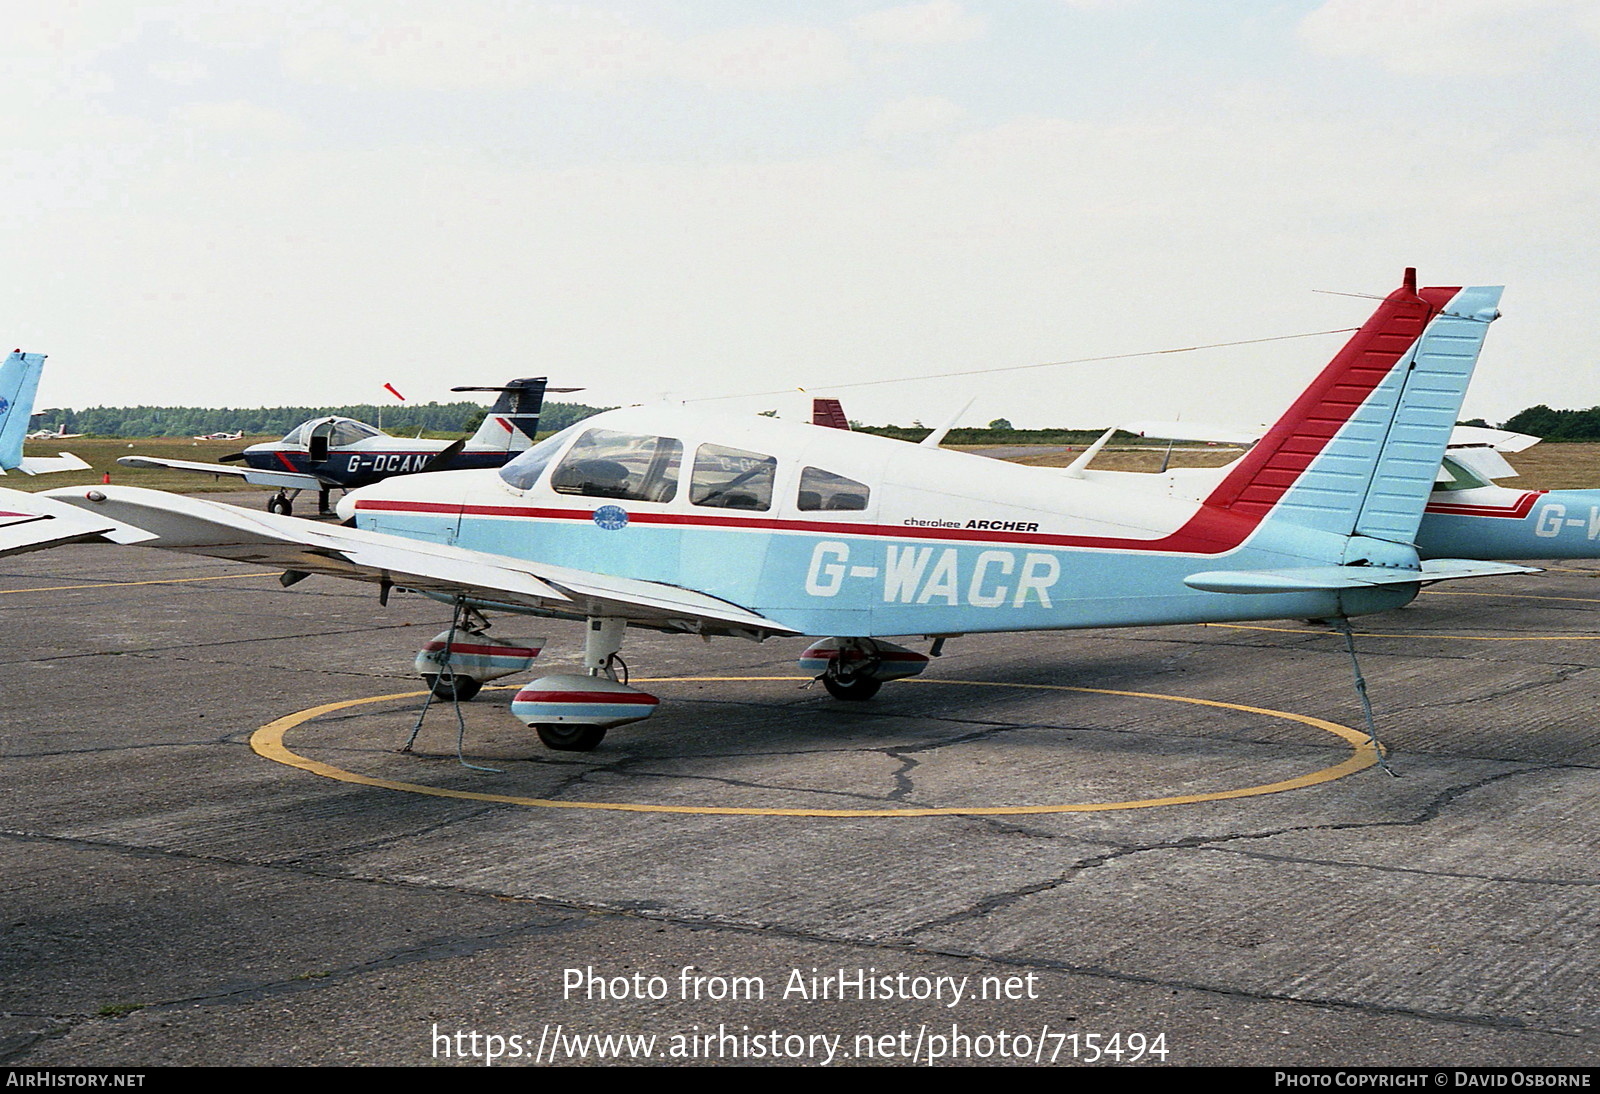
[522, 472]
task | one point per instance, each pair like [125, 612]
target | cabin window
[297, 435]
[523, 471]
[823, 491]
[626, 466]
[349, 432]
[1460, 477]
[731, 478]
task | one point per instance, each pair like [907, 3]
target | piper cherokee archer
[330, 453]
[685, 521]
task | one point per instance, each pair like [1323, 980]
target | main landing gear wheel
[568, 737]
[281, 505]
[461, 688]
[853, 688]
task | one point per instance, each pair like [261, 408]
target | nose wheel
[279, 503]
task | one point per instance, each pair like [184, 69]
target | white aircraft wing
[197, 526]
[288, 480]
[29, 522]
[1462, 436]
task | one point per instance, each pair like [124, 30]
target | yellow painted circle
[268, 741]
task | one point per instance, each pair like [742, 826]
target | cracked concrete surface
[170, 897]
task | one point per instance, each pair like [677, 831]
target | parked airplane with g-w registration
[684, 521]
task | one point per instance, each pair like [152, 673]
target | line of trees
[1557, 425]
[190, 421]
[463, 417]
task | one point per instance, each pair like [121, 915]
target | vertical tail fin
[19, 383]
[1358, 452]
[829, 412]
[513, 421]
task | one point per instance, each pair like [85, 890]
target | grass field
[1543, 467]
[102, 452]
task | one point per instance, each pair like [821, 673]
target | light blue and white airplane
[684, 521]
[28, 522]
[19, 384]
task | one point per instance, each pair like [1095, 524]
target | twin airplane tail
[513, 422]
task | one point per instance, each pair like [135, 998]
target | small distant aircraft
[330, 453]
[234, 436]
[19, 383]
[689, 522]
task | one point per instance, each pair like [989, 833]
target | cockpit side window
[1460, 477]
[823, 491]
[626, 466]
[297, 435]
[523, 471]
[349, 432]
[731, 478]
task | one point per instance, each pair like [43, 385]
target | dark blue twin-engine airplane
[331, 453]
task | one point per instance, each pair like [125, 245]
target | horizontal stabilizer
[47, 465]
[1303, 579]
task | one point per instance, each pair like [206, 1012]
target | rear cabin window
[823, 491]
[731, 478]
[348, 432]
[625, 466]
[1460, 477]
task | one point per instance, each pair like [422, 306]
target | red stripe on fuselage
[1515, 511]
[1207, 532]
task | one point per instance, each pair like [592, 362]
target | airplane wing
[288, 480]
[29, 522]
[1461, 437]
[1335, 578]
[197, 526]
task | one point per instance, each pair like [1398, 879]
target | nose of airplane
[346, 505]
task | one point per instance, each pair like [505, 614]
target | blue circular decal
[611, 517]
[4, 404]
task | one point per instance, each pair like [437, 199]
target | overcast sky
[241, 204]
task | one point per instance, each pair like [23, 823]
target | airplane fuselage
[1494, 522]
[846, 534]
[365, 462]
